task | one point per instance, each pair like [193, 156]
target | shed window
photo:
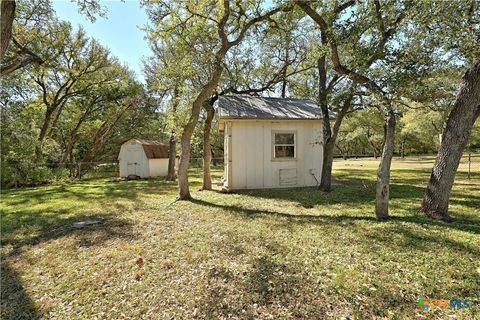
[284, 145]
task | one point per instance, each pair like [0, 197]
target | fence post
[469, 163]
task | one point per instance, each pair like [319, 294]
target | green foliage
[80, 104]
[361, 133]
[96, 103]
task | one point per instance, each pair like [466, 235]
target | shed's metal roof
[249, 107]
[153, 149]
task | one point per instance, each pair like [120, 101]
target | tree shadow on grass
[422, 240]
[16, 304]
[465, 224]
[354, 191]
[402, 233]
[272, 284]
[269, 285]
[48, 227]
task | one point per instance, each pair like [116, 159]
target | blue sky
[119, 31]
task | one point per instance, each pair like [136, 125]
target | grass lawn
[271, 254]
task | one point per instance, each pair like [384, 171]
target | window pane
[284, 138]
[284, 151]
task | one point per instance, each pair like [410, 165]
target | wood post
[469, 163]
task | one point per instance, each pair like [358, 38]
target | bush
[17, 176]
[9, 178]
[40, 175]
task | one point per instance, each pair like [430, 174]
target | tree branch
[256, 20]
[335, 57]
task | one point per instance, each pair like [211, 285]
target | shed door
[132, 163]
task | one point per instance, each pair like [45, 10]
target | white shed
[143, 158]
[270, 142]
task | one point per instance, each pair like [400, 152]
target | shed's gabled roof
[153, 149]
[249, 107]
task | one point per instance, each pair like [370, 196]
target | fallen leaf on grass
[168, 264]
[138, 275]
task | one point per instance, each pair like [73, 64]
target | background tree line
[75, 103]
[398, 76]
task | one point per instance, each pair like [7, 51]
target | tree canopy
[389, 70]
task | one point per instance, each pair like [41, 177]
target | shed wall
[250, 149]
[158, 167]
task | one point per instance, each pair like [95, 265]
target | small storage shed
[270, 142]
[144, 158]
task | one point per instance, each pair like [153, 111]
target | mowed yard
[272, 254]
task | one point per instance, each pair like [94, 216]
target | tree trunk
[58, 111]
[69, 149]
[285, 69]
[402, 149]
[43, 133]
[383, 173]
[183, 187]
[172, 146]
[73, 138]
[46, 125]
[328, 142]
[71, 166]
[172, 157]
[284, 88]
[207, 149]
[329, 147]
[454, 139]
[7, 16]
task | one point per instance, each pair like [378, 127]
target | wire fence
[103, 168]
[198, 162]
[33, 174]
[41, 173]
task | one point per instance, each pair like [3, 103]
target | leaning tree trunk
[454, 139]
[44, 129]
[42, 135]
[329, 146]
[183, 187]
[383, 173]
[207, 149]
[7, 16]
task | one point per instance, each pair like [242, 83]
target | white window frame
[294, 132]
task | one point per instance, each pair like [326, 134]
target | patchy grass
[251, 255]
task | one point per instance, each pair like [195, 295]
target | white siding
[227, 154]
[253, 166]
[158, 167]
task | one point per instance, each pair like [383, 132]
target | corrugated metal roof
[244, 106]
[153, 149]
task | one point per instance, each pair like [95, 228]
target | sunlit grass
[261, 254]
